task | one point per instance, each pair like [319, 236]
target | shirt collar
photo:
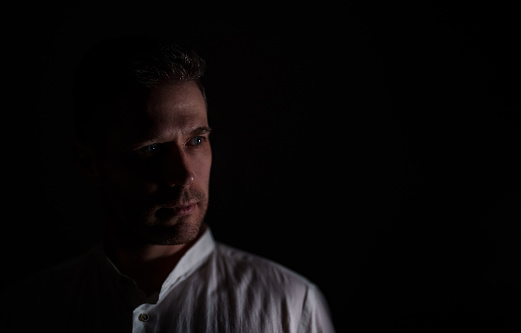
[191, 260]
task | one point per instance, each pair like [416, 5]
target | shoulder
[57, 281]
[241, 260]
[254, 271]
[67, 271]
[270, 286]
[46, 293]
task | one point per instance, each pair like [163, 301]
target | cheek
[125, 182]
[203, 170]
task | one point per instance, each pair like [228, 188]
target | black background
[373, 149]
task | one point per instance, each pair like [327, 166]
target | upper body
[213, 288]
[144, 142]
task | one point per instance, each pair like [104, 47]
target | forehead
[175, 100]
[167, 110]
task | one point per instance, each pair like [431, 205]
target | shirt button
[143, 317]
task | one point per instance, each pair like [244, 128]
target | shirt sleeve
[316, 316]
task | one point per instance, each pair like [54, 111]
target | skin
[153, 178]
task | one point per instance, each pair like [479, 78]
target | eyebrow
[201, 130]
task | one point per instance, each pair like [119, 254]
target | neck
[147, 264]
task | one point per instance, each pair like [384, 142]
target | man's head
[143, 137]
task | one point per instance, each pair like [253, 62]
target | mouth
[183, 209]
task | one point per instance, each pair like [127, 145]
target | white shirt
[213, 288]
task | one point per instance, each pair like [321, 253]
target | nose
[178, 171]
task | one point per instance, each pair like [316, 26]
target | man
[143, 141]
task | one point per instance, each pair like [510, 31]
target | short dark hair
[115, 65]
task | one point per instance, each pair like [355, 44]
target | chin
[181, 232]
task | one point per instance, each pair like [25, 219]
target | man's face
[155, 172]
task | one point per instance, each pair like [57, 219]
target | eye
[149, 150]
[196, 140]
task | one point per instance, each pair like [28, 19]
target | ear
[86, 158]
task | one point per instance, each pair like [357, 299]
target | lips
[184, 209]
[180, 203]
